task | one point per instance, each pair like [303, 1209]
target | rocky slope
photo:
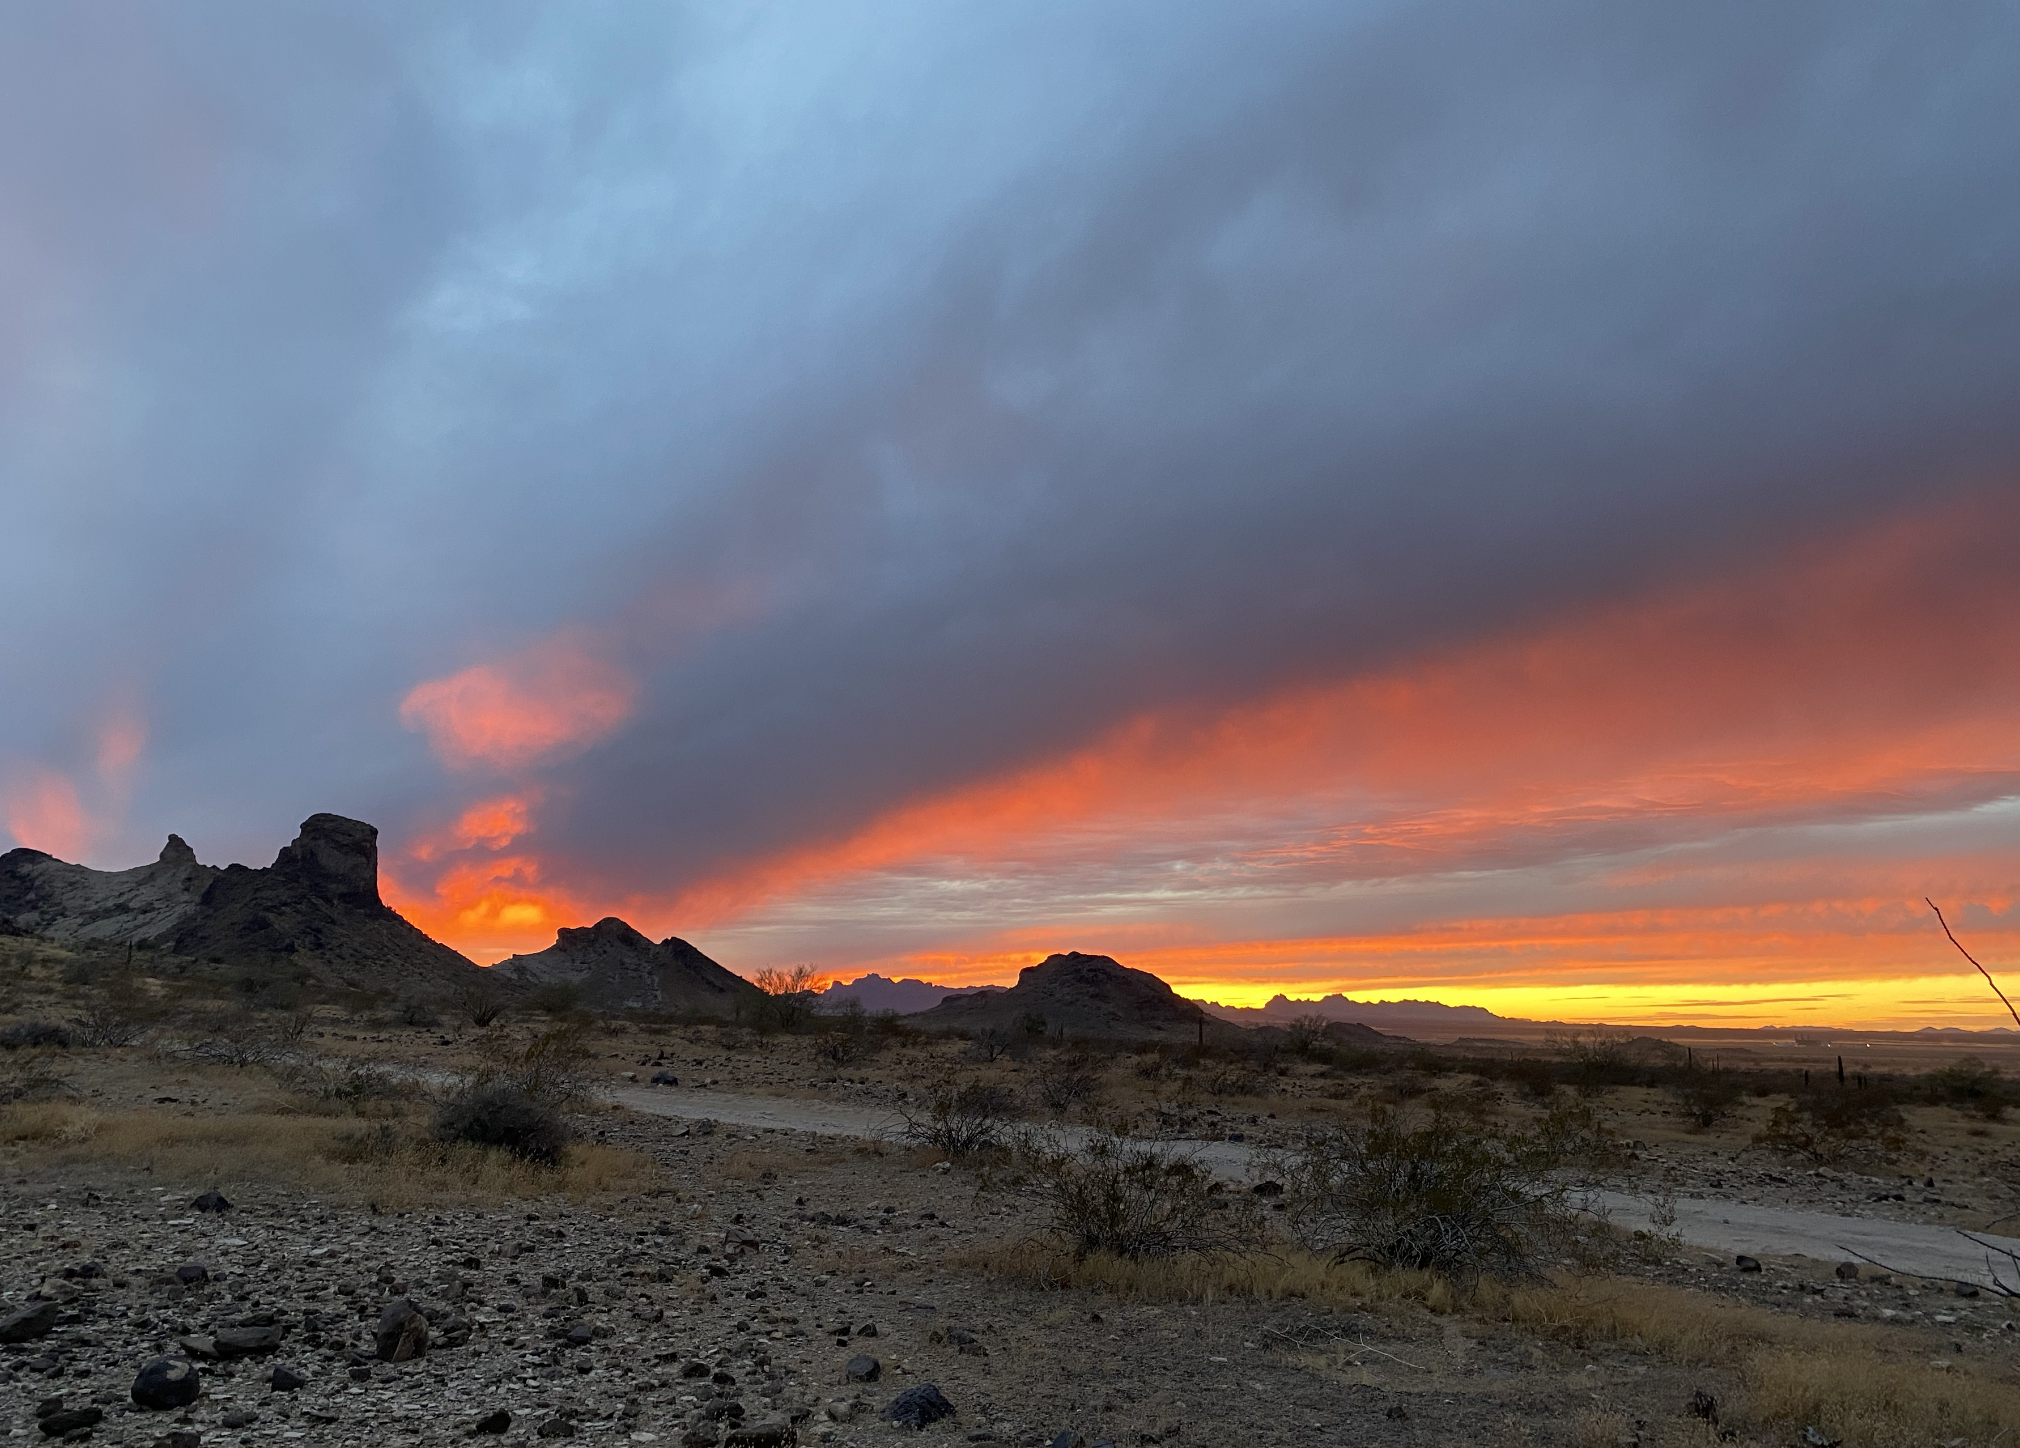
[880, 993]
[314, 915]
[617, 968]
[42, 895]
[1082, 995]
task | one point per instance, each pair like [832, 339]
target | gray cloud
[910, 392]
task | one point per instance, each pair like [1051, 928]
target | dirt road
[1709, 1223]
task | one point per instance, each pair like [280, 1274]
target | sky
[1502, 505]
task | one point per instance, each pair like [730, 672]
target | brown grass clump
[1868, 1386]
[389, 1162]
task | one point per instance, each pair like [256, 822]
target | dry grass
[389, 1162]
[1873, 1388]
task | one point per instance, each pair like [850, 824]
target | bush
[1435, 1193]
[1707, 1095]
[1127, 1199]
[109, 1023]
[1068, 1084]
[479, 1005]
[416, 1012]
[960, 1120]
[1970, 1085]
[1835, 1124]
[506, 1117]
[33, 1034]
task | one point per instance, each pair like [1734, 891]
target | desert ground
[681, 1278]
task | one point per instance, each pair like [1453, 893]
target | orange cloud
[43, 813]
[536, 706]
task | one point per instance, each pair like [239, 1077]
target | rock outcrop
[1082, 995]
[42, 895]
[880, 993]
[313, 915]
[617, 968]
[316, 913]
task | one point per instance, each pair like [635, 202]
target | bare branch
[1973, 959]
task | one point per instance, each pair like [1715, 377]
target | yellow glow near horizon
[1899, 1003]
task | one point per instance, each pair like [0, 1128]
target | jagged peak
[177, 852]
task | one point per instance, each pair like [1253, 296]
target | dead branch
[1973, 959]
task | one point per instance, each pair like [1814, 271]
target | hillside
[617, 968]
[1074, 994]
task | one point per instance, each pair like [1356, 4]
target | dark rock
[1397, 1413]
[557, 1428]
[180, 1438]
[238, 1342]
[701, 1435]
[239, 1418]
[211, 1202]
[402, 1332]
[762, 1435]
[695, 1368]
[1967, 1289]
[496, 1422]
[199, 1345]
[69, 1420]
[665, 1078]
[1746, 1263]
[47, 1406]
[916, 1407]
[166, 1382]
[189, 1274]
[868, 1329]
[285, 1379]
[580, 1335]
[1848, 1271]
[1068, 1439]
[33, 1321]
[863, 1368]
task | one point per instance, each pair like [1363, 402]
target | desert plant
[1835, 1124]
[108, 1021]
[1707, 1095]
[991, 1043]
[479, 1005]
[498, 1114]
[413, 1011]
[548, 1069]
[1432, 1192]
[790, 994]
[1306, 1035]
[1068, 1084]
[960, 1120]
[30, 1074]
[1970, 1085]
[1126, 1198]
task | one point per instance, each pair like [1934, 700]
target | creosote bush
[1436, 1193]
[508, 1117]
[960, 1120]
[1834, 1124]
[1125, 1198]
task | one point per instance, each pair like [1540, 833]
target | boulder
[26, 1324]
[402, 1332]
[917, 1407]
[165, 1383]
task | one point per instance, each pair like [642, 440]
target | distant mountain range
[880, 993]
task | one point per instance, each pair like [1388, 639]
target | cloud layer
[907, 481]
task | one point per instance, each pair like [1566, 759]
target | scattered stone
[239, 1418]
[238, 1342]
[211, 1202]
[1746, 1263]
[695, 1368]
[1068, 1439]
[557, 1428]
[33, 1321]
[1967, 1289]
[665, 1078]
[69, 1420]
[165, 1383]
[402, 1333]
[496, 1422]
[1848, 1271]
[198, 1346]
[773, 1433]
[285, 1379]
[862, 1368]
[916, 1407]
[180, 1438]
[49, 1405]
[868, 1329]
[189, 1274]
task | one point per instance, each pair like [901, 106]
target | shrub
[416, 1012]
[1126, 1198]
[1970, 1085]
[497, 1114]
[790, 994]
[960, 1120]
[1835, 1124]
[34, 1034]
[109, 1022]
[1434, 1193]
[1068, 1084]
[479, 1005]
[1707, 1095]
